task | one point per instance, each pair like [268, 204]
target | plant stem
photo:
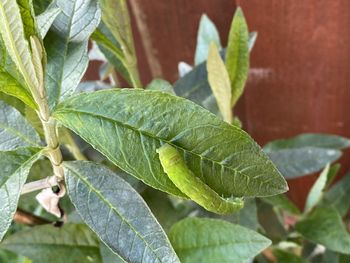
[39, 185]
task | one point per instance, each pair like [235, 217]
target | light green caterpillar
[184, 179]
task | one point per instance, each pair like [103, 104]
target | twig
[25, 218]
[48, 182]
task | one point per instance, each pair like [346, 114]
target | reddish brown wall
[300, 78]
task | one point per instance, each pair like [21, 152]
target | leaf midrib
[90, 186]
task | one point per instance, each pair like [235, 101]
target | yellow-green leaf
[219, 82]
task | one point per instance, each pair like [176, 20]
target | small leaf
[207, 33]
[46, 19]
[210, 240]
[219, 82]
[252, 39]
[128, 128]
[66, 46]
[326, 141]
[237, 55]
[71, 243]
[324, 226]
[15, 131]
[317, 190]
[14, 169]
[183, 178]
[161, 85]
[115, 211]
[116, 18]
[296, 162]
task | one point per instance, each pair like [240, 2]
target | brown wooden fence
[300, 78]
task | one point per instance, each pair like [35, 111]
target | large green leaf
[210, 240]
[125, 125]
[318, 140]
[15, 131]
[72, 243]
[296, 162]
[14, 39]
[115, 211]
[14, 169]
[66, 46]
[219, 82]
[339, 196]
[237, 54]
[324, 226]
[207, 33]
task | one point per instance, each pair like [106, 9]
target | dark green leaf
[14, 169]
[237, 55]
[207, 33]
[66, 46]
[309, 140]
[71, 243]
[211, 240]
[115, 211]
[15, 131]
[296, 162]
[324, 226]
[128, 128]
[108, 256]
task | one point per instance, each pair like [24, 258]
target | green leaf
[108, 256]
[111, 48]
[324, 226]
[115, 211]
[71, 243]
[339, 196]
[14, 38]
[207, 33]
[115, 16]
[237, 55]
[282, 202]
[15, 131]
[161, 85]
[309, 140]
[14, 167]
[128, 128]
[296, 162]
[284, 256]
[66, 46]
[210, 240]
[317, 190]
[10, 257]
[46, 19]
[219, 82]
[184, 179]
